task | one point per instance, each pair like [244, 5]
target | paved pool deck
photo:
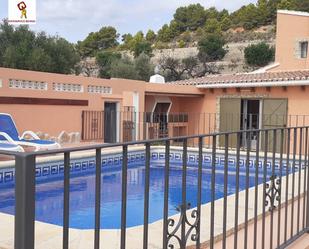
[301, 243]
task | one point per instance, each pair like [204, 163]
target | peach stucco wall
[291, 29]
[297, 96]
[186, 99]
[207, 120]
[53, 119]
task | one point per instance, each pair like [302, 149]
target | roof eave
[293, 12]
[254, 84]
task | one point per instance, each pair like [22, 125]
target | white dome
[157, 78]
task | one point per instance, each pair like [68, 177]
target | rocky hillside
[237, 40]
[233, 62]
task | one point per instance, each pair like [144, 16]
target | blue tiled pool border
[87, 164]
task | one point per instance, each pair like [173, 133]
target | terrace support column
[24, 202]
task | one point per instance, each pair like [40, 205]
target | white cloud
[74, 19]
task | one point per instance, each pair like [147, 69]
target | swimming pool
[49, 193]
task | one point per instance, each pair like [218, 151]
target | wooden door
[274, 116]
[229, 118]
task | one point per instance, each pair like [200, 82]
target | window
[303, 49]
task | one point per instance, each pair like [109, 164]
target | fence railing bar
[198, 127]
[238, 141]
[184, 193]
[124, 197]
[226, 160]
[280, 185]
[293, 179]
[248, 143]
[146, 195]
[213, 194]
[199, 191]
[299, 176]
[103, 125]
[305, 178]
[95, 128]
[307, 195]
[24, 227]
[83, 126]
[272, 205]
[91, 124]
[256, 189]
[66, 200]
[287, 185]
[97, 199]
[166, 190]
[264, 186]
[87, 127]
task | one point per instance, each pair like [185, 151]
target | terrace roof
[266, 79]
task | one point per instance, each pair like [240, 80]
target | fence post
[24, 202]
[306, 183]
[307, 191]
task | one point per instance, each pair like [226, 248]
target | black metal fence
[136, 126]
[92, 125]
[266, 208]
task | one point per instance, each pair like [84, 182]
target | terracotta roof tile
[246, 78]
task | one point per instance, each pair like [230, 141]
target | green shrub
[212, 48]
[181, 44]
[259, 55]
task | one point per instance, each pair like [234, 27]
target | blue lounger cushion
[8, 126]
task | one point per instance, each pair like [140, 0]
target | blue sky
[74, 19]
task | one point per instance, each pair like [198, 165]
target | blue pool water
[49, 195]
